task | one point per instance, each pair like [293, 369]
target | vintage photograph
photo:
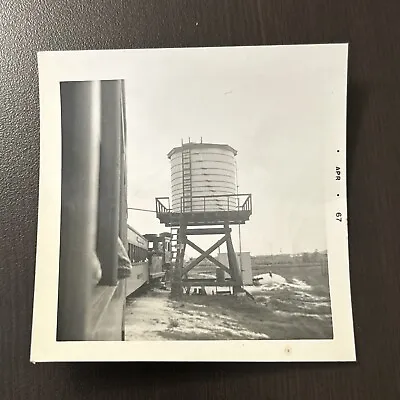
[200, 198]
[219, 267]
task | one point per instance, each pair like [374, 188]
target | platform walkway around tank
[203, 213]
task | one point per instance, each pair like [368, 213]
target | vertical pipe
[240, 232]
[240, 249]
[80, 119]
[109, 190]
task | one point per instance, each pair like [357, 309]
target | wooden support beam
[209, 257]
[203, 255]
[204, 282]
[207, 231]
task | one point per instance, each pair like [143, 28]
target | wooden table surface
[373, 31]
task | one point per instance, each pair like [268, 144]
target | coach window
[130, 251]
[139, 250]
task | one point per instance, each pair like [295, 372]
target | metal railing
[209, 203]
[160, 207]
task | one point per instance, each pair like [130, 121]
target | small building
[244, 262]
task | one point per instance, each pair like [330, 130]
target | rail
[203, 204]
[160, 207]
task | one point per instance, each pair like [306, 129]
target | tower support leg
[233, 264]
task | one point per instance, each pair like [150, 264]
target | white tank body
[203, 178]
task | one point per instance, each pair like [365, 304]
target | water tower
[204, 202]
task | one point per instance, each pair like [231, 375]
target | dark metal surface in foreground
[106, 312]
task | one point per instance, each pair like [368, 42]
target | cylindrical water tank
[203, 178]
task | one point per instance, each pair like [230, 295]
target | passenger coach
[94, 230]
[138, 247]
[93, 211]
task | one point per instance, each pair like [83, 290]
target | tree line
[315, 257]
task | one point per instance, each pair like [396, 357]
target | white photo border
[55, 67]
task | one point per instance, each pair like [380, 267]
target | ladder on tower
[174, 245]
[186, 181]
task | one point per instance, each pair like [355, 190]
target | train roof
[135, 231]
[149, 236]
[157, 235]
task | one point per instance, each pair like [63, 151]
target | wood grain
[372, 29]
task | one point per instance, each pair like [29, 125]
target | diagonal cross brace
[205, 254]
[209, 257]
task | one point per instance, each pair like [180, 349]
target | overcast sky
[271, 106]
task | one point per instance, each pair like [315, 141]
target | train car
[93, 211]
[151, 256]
[160, 255]
[138, 247]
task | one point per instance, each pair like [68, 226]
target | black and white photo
[193, 206]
